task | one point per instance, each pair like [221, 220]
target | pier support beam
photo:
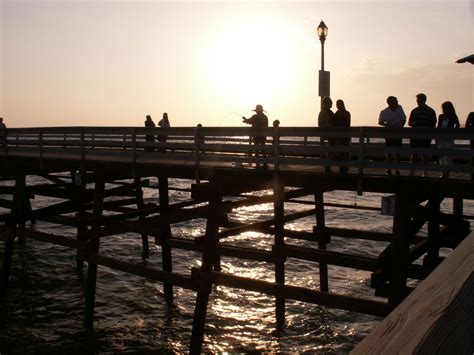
[79, 199]
[322, 238]
[203, 277]
[432, 258]
[7, 260]
[278, 252]
[140, 205]
[20, 205]
[94, 249]
[400, 248]
[167, 262]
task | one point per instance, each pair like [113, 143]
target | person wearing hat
[258, 120]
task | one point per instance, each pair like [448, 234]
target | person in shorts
[392, 116]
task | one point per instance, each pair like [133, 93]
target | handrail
[286, 145]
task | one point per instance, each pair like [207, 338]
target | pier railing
[361, 149]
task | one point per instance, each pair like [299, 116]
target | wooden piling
[140, 205]
[94, 249]
[78, 197]
[167, 262]
[432, 256]
[322, 238]
[399, 249]
[203, 276]
[278, 248]
[19, 205]
[7, 260]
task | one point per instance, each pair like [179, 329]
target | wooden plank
[303, 294]
[142, 270]
[437, 317]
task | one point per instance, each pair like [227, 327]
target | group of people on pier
[424, 116]
[393, 116]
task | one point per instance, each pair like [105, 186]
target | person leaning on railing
[325, 119]
[448, 119]
[342, 118]
[470, 124]
[149, 138]
[392, 116]
[421, 116]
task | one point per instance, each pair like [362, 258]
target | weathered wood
[165, 235]
[142, 270]
[203, 277]
[304, 294]
[279, 243]
[9, 236]
[399, 249]
[322, 239]
[94, 249]
[139, 197]
[437, 317]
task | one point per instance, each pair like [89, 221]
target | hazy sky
[109, 63]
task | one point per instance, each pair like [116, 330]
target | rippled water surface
[45, 304]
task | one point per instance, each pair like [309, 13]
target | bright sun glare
[252, 61]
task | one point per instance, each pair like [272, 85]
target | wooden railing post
[41, 147]
[198, 140]
[134, 151]
[360, 172]
[276, 145]
[83, 153]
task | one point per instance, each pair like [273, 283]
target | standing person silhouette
[421, 116]
[325, 119]
[163, 123]
[392, 116]
[150, 138]
[448, 119]
[258, 120]
[342, 118]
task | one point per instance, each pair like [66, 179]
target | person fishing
[258, 120]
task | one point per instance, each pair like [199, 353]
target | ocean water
[44, 309]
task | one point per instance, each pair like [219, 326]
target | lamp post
[322, 34]
[322, 31]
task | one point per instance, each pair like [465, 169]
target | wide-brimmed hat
[259, 108]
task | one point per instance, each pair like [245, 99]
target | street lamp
[323, 75]
[322, 34]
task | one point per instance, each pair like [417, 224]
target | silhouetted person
[149, 138]
[163, 123]
[258, 120]
[325, 119]
[448, 119]
[470, 124]
[421, 116]
[342, 118]
[392, 116]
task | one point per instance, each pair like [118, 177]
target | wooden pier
[97, 175]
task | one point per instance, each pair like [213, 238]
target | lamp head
[322, 31]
